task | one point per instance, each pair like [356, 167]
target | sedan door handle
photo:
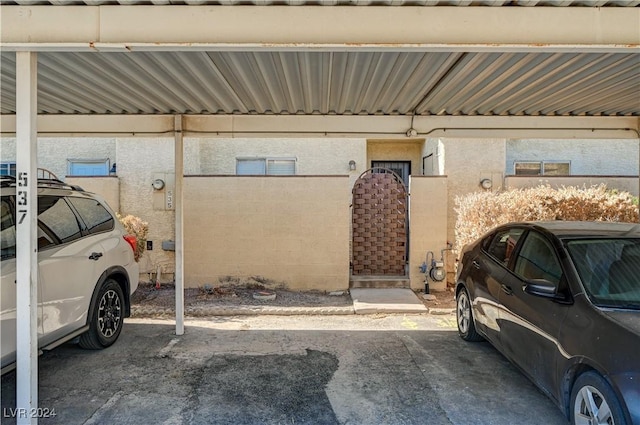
[506, 289]
[476, 264]
[95, 255]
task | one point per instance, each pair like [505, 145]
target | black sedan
[561, 300]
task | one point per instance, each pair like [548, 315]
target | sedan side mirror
[546, 289]
[540, 288]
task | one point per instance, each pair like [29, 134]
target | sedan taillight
[131, 240]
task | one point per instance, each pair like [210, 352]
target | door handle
[506, 289]
[476, 264]
[95, 256]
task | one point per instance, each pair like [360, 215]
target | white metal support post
[179, 176]
[27, 248]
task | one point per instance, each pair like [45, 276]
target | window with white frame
[265, 166]
[88, 167]
[542, 168]
[7, 168]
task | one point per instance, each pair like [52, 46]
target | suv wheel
[106, 317]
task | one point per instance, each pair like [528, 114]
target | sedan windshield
[609, 270]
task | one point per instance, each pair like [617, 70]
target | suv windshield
[609, 270]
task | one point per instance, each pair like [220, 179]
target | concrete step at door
[379, 282]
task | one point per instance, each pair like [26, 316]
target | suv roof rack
[8, 181]
[58, 184]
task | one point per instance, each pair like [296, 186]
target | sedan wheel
[594, 402]
[464, 316]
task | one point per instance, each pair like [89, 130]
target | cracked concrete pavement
[370, 369]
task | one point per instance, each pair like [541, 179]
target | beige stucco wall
[53, 152]
[108, 187]
[138, 160]
[396, 150]
[428, 225]
[291, 230]
[614, 157]
[434, 154]
[625, 184]
[466, 163]
[315, 156]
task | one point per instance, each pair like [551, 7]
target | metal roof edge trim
[336, 3]
[309, 24]
[314, 47]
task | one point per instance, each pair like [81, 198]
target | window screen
[88, 167]
[7, 168]
[281, 167]
[266, 166]
[528, 168]
[250, 167]
[539, 168]
[556, 169]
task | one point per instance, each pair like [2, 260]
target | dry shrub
[479, 212]
[138, 228]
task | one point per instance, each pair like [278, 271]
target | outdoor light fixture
[352, 165]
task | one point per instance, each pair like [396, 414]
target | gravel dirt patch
[156, 300]
[443, 299]
[163, 296]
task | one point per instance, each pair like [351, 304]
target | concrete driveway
[393, 369]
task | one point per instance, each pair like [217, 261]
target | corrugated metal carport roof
[338, 83]
[449, 81]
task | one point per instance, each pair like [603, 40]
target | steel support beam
[154, 27]
[331, 126]
[27, 248]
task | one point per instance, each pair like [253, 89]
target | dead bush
[479, 212]
[138, 228]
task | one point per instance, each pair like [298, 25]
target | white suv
[86, 269]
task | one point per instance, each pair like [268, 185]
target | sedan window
[503, 244]
[537, 260]
[608, 270]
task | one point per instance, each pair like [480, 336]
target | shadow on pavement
[222, 376]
